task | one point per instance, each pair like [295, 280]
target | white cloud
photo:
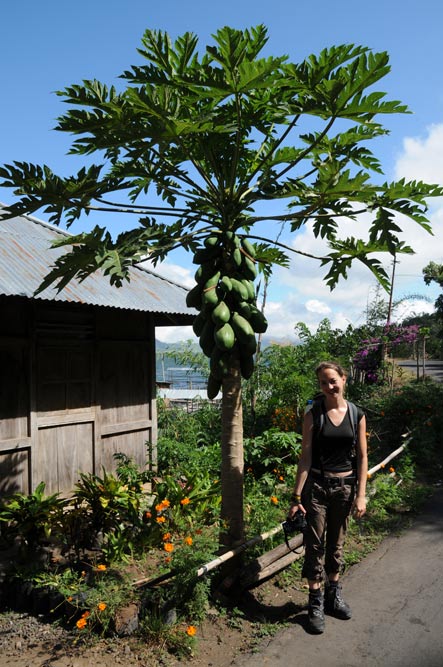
[174, 334]
[315, 306]
[174, 272]
[422, 157]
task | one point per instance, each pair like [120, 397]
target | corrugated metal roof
[26, 258]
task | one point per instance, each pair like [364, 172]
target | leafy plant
[33, 518]
[271, 450]
[191, 498]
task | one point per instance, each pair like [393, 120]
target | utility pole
[391, 291]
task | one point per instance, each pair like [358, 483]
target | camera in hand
[297, 524]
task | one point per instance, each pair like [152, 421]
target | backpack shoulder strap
[318, 416]
[353, 413]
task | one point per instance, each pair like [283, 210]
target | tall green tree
[433, 272]
[196, 146]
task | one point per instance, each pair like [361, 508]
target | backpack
[318, 417]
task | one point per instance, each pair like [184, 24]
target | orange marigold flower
[158, 507]
[168, 546]
[148, 515]
[165, 502]
[188, 541]
[81, 623]
[86, 614]
[101, 567]
[184, 501]
[191, 630]
[160, 519]
[166, 537]
[391, 469]
[102, 606]
[69, 599]
[281, 478]
[274, 500]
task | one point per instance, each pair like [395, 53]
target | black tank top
[332, 447]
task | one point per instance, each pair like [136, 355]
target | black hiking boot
[316, 617]
[334, 603]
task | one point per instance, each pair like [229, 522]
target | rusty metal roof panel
[26, 258]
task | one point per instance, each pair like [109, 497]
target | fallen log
[271, 562]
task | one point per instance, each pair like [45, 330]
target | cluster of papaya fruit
[225, 297]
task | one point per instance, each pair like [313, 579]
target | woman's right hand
[293, 509]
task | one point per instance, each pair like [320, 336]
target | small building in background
[77, 367]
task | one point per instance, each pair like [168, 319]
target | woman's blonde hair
[333, 366]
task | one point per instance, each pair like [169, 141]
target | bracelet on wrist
[296, 499]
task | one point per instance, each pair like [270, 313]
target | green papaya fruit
[249, 286]
[249, 348]
[194, 297]
[212, 241]
[239, 290]
[248, 268]
[233, 238]
[247, 365]
[242, 328]
[198, 324]
[257, 320]
[210, 297]
[205, 271]
[245, 309]
[226, 283]
[214, 386]
[213, 280]
[203, 255]
[207, 338]
[219, 363]
[224, 337]
[248, 247]
[237, 257]
[221, 314]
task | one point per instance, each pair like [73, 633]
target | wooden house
[77, 368]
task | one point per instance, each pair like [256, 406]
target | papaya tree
[198, 147]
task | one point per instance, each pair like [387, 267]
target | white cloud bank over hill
[299, 293]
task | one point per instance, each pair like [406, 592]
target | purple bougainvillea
[369, 358]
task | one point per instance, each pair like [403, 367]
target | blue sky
[48, 45]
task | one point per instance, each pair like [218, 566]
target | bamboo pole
[233, 552]
[387, 459]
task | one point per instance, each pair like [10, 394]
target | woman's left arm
[359, 506]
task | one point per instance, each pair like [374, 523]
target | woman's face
[331, 383]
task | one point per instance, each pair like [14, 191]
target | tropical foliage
[212, 138]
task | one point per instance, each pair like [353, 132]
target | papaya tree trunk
[232, 466]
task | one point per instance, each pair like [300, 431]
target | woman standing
[328, 487]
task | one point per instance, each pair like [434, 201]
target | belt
[332, 481]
